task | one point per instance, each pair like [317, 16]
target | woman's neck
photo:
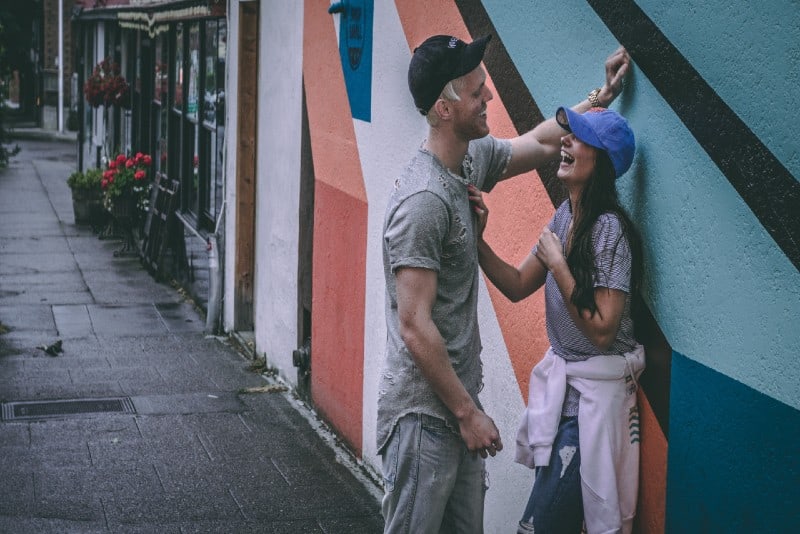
[574, 201]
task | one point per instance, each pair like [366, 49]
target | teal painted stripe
[767, 187]
[733, 464]
[749, 52]
[715, 278]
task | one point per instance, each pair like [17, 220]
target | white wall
[385, 146]
[278, 182]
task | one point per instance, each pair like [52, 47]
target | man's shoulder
[420, 175]
[487, 146]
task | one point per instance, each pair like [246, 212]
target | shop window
[160, 102]
[177, 63]
[218, 162]
[174, 129]
[191, 128]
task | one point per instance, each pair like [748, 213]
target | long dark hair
[599, 197]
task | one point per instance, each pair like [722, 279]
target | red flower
[106, 87]
[103, 183]
[126, 181]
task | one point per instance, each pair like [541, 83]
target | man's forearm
[429, 352]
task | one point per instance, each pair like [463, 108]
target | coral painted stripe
[520, 208]
[650, 516]
[340, 233]
[331, 123]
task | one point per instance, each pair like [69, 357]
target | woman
[588, 258]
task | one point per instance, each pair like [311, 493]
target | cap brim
[576, 123]
[472, 56]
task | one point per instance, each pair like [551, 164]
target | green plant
[86, 181]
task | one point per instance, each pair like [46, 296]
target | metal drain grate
[13, 411]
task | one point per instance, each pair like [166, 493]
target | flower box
[87, 197]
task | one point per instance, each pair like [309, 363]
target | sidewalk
[142, 423]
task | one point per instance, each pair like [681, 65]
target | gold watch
[593, 100]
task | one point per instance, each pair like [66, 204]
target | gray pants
[433, 483]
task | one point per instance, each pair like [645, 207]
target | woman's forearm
[503, 276]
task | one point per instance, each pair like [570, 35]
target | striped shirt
[613, 262]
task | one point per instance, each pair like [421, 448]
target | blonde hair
[448, 93]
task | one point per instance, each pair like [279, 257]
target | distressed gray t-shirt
[429, 224]
[613, 261]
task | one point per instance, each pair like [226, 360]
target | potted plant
[87, 196]
[126, 194]
[126, 188]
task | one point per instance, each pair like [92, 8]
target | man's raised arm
[543, 143]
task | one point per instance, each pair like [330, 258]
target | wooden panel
[247, 98]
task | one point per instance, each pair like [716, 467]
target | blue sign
[355, 49]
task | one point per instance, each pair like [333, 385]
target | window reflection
[178, 79]
[194, 69]
[210, 82]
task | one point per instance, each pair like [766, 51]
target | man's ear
[443, 108]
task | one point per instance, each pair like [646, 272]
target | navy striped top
[613, 263]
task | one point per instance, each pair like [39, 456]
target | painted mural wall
[713, 189]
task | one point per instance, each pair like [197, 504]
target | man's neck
[447, 148]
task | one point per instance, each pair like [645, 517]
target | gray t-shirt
[430, 224]
[613, 261]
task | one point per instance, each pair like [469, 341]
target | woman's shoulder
[608, 228]
[609, 222]
[564, 210]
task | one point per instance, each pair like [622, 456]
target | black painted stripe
[766, 186]
[521, 107]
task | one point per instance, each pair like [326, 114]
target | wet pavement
[141, 422]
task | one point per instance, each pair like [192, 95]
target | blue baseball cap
[604, 129]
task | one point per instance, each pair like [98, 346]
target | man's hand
[480, 433]
[617, 66]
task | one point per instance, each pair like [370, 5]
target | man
[433, 434]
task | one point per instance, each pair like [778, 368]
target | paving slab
[198, 452]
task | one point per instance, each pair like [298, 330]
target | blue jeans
[432, 483]
[555, 505]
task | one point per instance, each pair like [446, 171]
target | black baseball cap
[438, 60]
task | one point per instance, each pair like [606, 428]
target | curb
[41, 135]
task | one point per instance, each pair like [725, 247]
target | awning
[154, 16]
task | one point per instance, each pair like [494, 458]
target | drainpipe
[60, 66]
[214, 279]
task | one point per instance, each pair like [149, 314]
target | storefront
[171, 56]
